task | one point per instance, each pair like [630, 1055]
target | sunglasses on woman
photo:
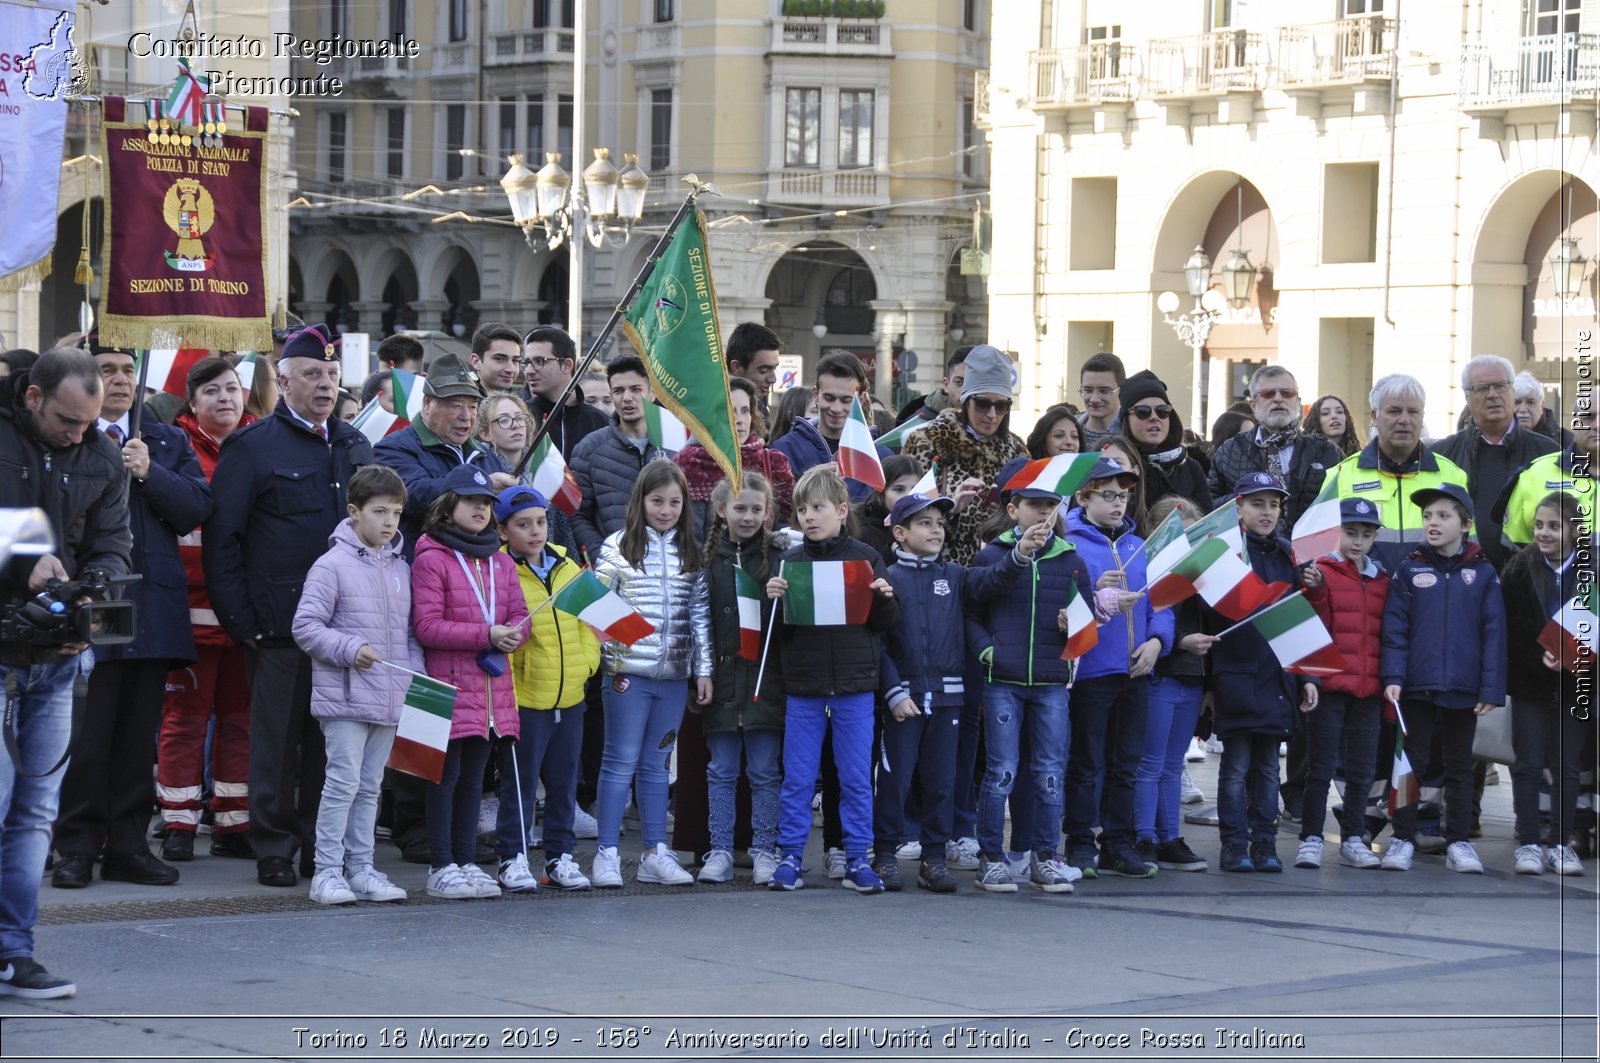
[1145, 413]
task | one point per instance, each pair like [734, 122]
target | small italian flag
[896, 437]
[1316, 533]
[827, 592]
[858, 454]
[1572, 634]
[405, 394]
[1082, 633]
[1297, 637]
[1166, 546]
[613, 619]
[1403, 788]
[1221, 523]
[928, 486]
[169, 370]
[1061, 475]
[666, 431]
[553, 479]
[246, 368]
[1218, 575]
[419, 744]
[749, 595]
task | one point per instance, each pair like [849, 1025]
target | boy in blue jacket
[1111, 694]
[1443, 662]
[924, 657]
[1018, 640]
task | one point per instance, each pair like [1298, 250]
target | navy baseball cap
[1455, 492]
[1010, 469]
[1359, 511]
[1256, 482]
[515, 500]
[910, 505]
[468, 481]
[1111, 469]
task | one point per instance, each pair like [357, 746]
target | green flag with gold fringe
[673, 326]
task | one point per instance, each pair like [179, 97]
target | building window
[395, 154]
[338, 18]
[458, 20]
[455, 138]
[660, 130]
[802, 127]
[336, 145]
[566, 14]
[1555, 17]
[1356, 8]
[399, 11]
[1222, 13]
[969, 138]
[1105, 60]
[855, 128]
[969, 14]
[535, 142]
[508, 125]
[664, 10]
[564, 132]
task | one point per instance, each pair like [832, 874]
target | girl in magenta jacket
[468, 612]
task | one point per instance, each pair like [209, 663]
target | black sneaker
[24, 976]
[889, 871]
[1084, 861]
[1177, 856]
[934, 876]
[1125, 862]
[1264, 855]
[1145, 849]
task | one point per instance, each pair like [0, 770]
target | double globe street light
[1194, 327]
[607, 204]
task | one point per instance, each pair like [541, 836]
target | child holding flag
[741, 719]
[836, 604]
[1443, 662]
[549, 671]
[353, 614]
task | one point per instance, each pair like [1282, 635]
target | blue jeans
[964, 813]
[1247, 790]
[549, 746]
[347, 815]
[1108, 714]
[763, 763]
[28, 803]
[641, 728]
[1007, 709]
[804, 721]
[916, 760]
[1342, 730]
[1172, 711]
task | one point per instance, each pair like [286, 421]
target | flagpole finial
[701, 188]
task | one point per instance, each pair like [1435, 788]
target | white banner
[36, 44]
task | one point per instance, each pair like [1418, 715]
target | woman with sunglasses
[1150, 422]
[504, 428]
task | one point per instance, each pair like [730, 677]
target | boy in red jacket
[1348, 589]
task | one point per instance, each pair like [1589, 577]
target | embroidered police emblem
[941, 587]
[1363, 507]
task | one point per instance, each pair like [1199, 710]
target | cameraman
[51, 458]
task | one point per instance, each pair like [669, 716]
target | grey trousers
[348, 815]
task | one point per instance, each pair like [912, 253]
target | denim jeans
[1342, 730]
[641, 729]
[1108, 714]
[805, 718]
[969, 734]
[454, 801]
[549, 747]
[763, 764]
[28, 803]
[1007, 710]
[916, 759]
[1453, 729]
[1544, 733]
[1247, 790]
[1172, 711]
[347, 817]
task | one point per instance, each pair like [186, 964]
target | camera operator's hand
[47, 569]
[136, 458]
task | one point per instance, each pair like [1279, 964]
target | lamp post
[1567, 266]
[1194, 327]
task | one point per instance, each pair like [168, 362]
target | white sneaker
[765, 864]
[908, 851]
[1020, 866]
[835, 863]
[488, 815]
[1462, 857]
[450, 883]
[1189, 793]
[1213, 744]
[583, 824]
[1196, 753]
[329, 887]
[565, 874]
[1563, 860]
[718, 867]
[1073, 874]
[370, 884]
[1397, 857]
[1309, 854]
[1353, 852]
[515, 877]
[482, 882]
[606, 870]
[1530, 860]
[660, 865]
[961, 854]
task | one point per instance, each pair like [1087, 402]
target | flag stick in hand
[761, 670]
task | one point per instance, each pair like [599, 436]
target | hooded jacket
[960, 454]
[836, 658]
[1350, 604]
[562, 651]
[733, 702]
[1119, 636]
[1252, 692]
[673, 600]
[1444, 630]
[356, 596]
[804, 446]
[1022, 628]
[606, 466]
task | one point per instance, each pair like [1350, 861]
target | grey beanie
[988, 373]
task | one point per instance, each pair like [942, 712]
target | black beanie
[1141, 385]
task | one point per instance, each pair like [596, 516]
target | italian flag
[827, 592]
[1221, 523]
[424, 732]
[896, 437]
[666, 431]
[1403, 788]
[858, 455]
[1218, 575]
[169, 370]
[246, 368]
[1572, 634]
[1166, 546]
[405, 393]
[929, 484]
[613, 619]
[553, 479]
[1316, 533]
[749, 595]
[1082, 633]
[1297, 637]
[1061, 475]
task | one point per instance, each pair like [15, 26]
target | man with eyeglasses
[1493, 447]
[496, 356]
[549, 358]
[1571, 471]
[1098, 383]
[1277, 446]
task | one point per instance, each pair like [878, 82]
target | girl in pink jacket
[468, 613]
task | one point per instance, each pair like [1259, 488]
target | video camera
[50, 618]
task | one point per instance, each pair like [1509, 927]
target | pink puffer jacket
[451, 628]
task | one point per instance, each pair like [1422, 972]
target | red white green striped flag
[1297, 637]
[749, 596]
[419, 744]
[896, 437]
[1572, 634]
[858, 454]
[827, 592]
[1082, 632]
[1218, 575]
[405, 395]
[1062, 474]
[666, 431]
[1221, 523]
[1316, 533]
[1403, 787]
[169, 370]
[553, 479]
[1166, 546]
[929, 484]
[613, 619]
[246, 368]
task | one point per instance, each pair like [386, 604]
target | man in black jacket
[549, 358]
[280, 491]
[50, 457]
[1277, 446]
[608, 463]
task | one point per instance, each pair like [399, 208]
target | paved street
[1345, 963]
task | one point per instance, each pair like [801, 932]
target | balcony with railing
[1350, 51]
[1086, 76]
[844, 188]
[830, 36]
[1530, 72]
[550, 44]
[1208, 64]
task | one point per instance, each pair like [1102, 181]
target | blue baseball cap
[1111, 469]
[515, 500]
[910, 505]
[468, 481]
[1455, 492]
[1359, 511]
[1256, 482]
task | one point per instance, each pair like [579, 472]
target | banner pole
[761, 671]
[136, 416]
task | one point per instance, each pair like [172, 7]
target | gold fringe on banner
[210, 333]
[20, 279]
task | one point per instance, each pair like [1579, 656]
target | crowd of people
[296, 577]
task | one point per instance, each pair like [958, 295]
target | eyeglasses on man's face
[1493, 387]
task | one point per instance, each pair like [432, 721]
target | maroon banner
[184, 251]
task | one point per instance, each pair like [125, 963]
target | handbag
[1492, 739]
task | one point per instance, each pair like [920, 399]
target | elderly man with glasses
[1277, 446]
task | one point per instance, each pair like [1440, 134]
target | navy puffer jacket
[606, 465]
[1444, 630]
[1021, 627]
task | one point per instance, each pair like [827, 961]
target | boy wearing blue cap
[549, 670]
[1443, 662]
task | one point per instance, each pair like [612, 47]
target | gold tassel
[280, 316]
[84, 274]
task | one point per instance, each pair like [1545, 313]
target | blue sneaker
[860, 877]
[1236, 860]
[787, 875]
[1264, 855]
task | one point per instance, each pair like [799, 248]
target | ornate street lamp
[819, 328]
[1194, 327]
[1567, 266]
[1237, 278]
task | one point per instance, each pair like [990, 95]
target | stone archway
[820, 280]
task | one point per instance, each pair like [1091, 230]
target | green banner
[673, 326]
